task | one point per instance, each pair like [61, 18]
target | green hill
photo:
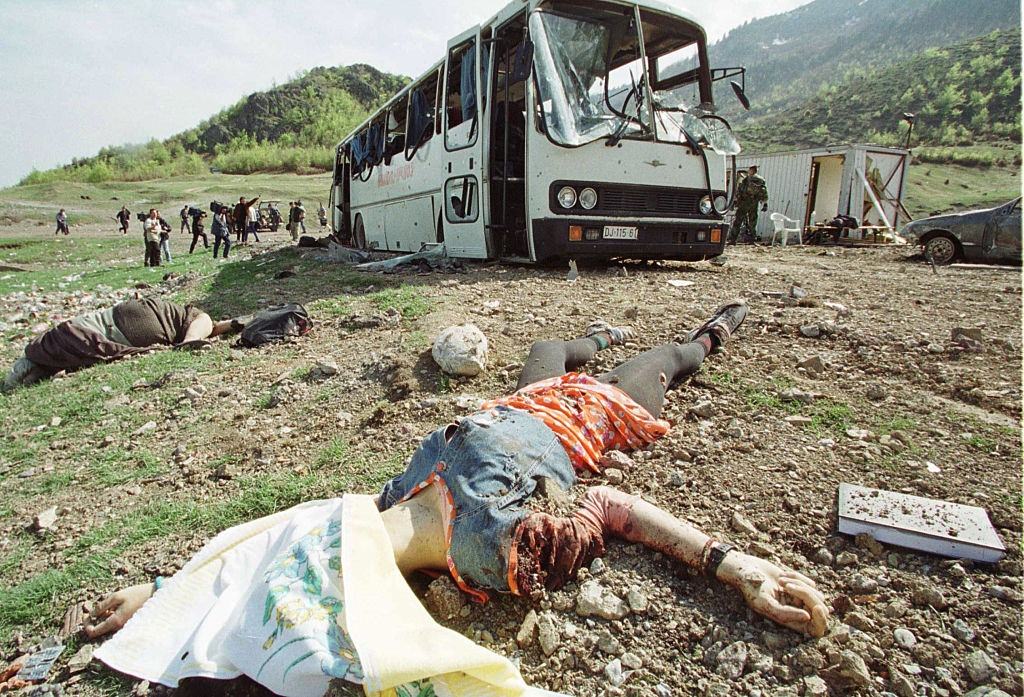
[291, 127]
[797, 53]
[965, 94]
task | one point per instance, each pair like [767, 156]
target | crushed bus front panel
[582, 238]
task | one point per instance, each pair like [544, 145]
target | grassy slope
[940, 188]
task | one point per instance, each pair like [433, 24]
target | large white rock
[461, 350]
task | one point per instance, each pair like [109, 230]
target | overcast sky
[79, 75]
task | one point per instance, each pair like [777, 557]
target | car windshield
[583, 97]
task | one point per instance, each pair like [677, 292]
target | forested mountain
[290, 127]
[961, 95]
[793, 55]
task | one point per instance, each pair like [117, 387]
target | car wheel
[359, 236]
[941, 250]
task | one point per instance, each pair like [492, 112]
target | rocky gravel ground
[859, 366]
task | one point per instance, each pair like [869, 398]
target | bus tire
[359, 236]
[440, 230]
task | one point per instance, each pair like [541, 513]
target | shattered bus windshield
[583, 95]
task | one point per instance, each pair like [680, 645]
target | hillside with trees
[965, 94]
[791, 55]
[291, 127]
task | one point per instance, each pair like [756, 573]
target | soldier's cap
[752, 167]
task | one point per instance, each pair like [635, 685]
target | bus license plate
[620, 232]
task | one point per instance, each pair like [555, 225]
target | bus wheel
[359, 236]
[440, 230]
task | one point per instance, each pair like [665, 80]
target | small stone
[631, 660]
[797, 292]
[731, 660]
[905, 638]
[145, 428]
[793, 394]
[813, 365]
[704, 409]
[443, 598]
[862, 585]
[798, 420]
[613, 671]
[614, 476]
[813, 685]
[839, 308]
[45, 520]
[597, 567]
[607, 643]
[593, 600]
[142, 689]
[902, 686]
[980, 668]
[55, 422]
[851, 671]
[617, 459]
[343, 418]
[926, 594]
[859, 621]
[963, 631]
[637, 601]
[986, 691]
[547, 634]
[79, 662]
[875, 392]
[810, 331]
[741, 524]
[867, 541]
[461, 350]
[846, 558]
[822, 556]
[972, 333]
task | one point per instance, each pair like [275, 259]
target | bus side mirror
[522, 62]
[740, 94]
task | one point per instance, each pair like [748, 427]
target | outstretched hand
[109, 614]
[782, 595]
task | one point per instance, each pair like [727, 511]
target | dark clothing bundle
[274, 324]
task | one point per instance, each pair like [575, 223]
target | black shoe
[726, 320]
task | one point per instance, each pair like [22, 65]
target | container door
[462, 192]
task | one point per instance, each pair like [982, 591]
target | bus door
[462, 220]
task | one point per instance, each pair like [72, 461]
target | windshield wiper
[635, 94]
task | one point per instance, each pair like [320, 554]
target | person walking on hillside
[751, 193]
[241, 217]
[62, 223]
[124, 218]
[165, 240]
[252, 222]
[298, 218]
[221, 229]
[197, 216]
[185, 227]
[151, 235]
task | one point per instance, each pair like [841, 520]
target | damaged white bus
[557, 129]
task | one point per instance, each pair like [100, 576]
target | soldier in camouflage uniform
[750, 192]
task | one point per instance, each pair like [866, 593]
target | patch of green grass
[115, 466]
[980, 442]
[331, 308]
[332, 454]
[831, 416]
[15, 556]
[52, 482]
[722, 378]
[408, 300]
[896, 423]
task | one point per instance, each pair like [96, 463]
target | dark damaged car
[990, 235]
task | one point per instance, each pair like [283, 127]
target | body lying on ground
[286, 600]
[128, 328]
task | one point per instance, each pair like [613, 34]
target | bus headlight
[588, 198]
[720, 202]
[567, 197]
[705, 206]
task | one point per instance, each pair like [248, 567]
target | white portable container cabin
[815, 185]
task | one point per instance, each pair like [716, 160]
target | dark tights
[645, 378]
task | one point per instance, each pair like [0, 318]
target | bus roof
[499, 17]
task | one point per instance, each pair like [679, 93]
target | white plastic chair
[783, 228]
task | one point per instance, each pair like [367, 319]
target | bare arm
[782, 595]
[201, 328]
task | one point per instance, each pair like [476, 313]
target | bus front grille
[649, 201]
